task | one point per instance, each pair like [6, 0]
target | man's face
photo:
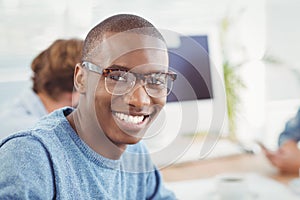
[125, 118]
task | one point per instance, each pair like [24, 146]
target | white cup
[231, 187]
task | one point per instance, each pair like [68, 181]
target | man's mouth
[132, 119]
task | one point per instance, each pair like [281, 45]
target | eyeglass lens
[121, 82]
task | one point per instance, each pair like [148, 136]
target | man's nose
[138, 97]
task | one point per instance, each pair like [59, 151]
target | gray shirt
[22, 113]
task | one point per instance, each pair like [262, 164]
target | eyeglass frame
[106, 71]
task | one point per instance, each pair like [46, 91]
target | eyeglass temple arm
[92, 67]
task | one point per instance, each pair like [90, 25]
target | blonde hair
[53, 68]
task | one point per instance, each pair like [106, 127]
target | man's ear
[80, 79]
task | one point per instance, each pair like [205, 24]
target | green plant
[233, 84]
[232, 80]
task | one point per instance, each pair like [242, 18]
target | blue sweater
[292, 130]
[52, 162]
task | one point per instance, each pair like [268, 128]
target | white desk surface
[260, 187]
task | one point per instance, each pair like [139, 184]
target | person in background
[287, 157]
[53, 71]
[95, 150]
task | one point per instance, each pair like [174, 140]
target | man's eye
[118, 77]
[162, 79]
[158, 80]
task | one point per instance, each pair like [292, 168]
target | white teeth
[130, 118]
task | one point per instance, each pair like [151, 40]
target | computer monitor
[197, 102]
[191, 62]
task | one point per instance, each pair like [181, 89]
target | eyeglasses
[119, 81]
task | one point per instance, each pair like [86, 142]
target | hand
[286, 158]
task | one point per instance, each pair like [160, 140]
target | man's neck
[94, 137]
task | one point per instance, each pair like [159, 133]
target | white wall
[282, 79]
[245, 46]
[27, 27]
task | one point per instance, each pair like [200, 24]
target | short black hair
[117, 24]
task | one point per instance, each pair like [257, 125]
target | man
[53, 71]
[287, 157]
[94, 151]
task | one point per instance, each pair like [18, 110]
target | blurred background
[256, 39]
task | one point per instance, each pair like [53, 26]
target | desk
[209, 168]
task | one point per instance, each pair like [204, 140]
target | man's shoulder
[42, 136]
[53, 122]
[45, 130]
[20, 138]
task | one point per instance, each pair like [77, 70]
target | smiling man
[94, 151]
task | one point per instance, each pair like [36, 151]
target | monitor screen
[190, 60]
[197, 102]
